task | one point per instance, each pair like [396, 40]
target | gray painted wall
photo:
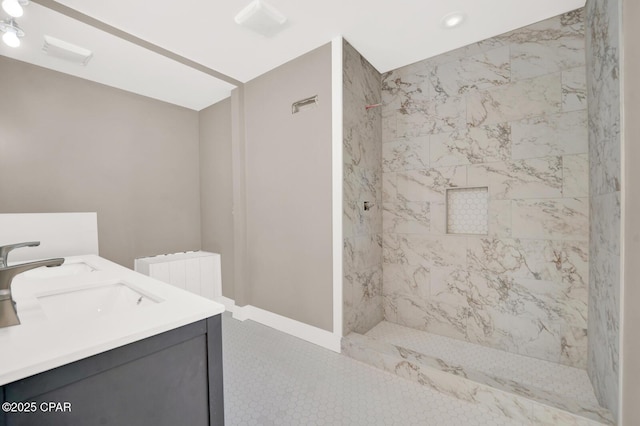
[631, 342]
[67, 144]
[603, 90]
[288, 191]
[238, 154]
[216, 188]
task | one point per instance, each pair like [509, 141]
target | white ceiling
[390, 34]
[115, 62]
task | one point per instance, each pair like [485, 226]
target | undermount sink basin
[95, 301]
[64, 270]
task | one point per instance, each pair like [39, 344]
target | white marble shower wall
[362, 229]
[603, 17]
[508, 113]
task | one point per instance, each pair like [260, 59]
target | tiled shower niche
[468, 211]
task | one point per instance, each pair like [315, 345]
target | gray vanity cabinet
[173, 378]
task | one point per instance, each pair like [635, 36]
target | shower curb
[522, 403]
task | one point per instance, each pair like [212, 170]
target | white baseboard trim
[241, 313]
[298, 329]
[229, 304]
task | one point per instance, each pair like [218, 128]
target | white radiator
[196, 271]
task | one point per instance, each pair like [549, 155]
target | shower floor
[568, 381]
[524, 388]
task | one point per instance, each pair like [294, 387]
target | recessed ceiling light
[452, 20]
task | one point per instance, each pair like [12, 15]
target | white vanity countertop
[41, 343]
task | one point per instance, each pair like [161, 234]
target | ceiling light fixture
[14, 7]
[452, 20]
[12, 32]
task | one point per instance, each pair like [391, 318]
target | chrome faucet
[8, 313]
[4, 250]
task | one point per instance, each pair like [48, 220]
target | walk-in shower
[470, 273]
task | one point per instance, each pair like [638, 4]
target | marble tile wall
[508, 113]
[362, 229]
[603, 86]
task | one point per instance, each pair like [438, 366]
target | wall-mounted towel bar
[304, 104]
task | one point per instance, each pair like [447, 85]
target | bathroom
[531, 121]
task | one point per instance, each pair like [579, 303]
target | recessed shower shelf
[468, 211]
